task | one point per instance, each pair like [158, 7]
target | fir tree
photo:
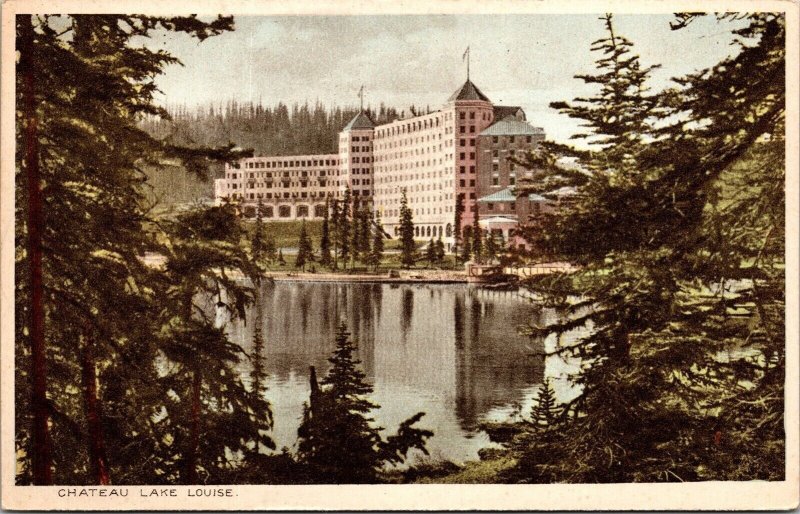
[544, 411]
[325, 241]
[376, 252]
[466, 247]
[430, 252]
[491, 246]
[305, 252]
[408, 249]
[336, 218]
[281, 260]
[344, 227]
[477, 240]
[270, 251]
[257, 246]
[439, 250]
[458, 213]
[338, 441]
[660, 226]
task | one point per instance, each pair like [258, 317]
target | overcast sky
[526, 60]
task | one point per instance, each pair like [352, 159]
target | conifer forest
[673, 311]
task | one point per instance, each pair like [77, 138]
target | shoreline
[405, 277]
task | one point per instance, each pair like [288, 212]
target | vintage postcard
[424, 255]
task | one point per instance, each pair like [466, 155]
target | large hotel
[463, 149]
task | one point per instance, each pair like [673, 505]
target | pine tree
[662, 226]
[430, 252]
[305, 253]
[458, 213]
[466, 247]
[336, 219]
[439, 250]
[544, 411]
[281, 260]
[82, 87]
[408, 249]
[491, 246]
[338, 441]
[325, 241]
[257, 245]
[270, 251]
[344, 228]
[376, 252]
[477, 240]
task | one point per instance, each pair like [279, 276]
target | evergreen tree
[663, 227]
[458, 213]
[376, 252]
[491, 246]
[338, 442]
[430, 252]
[82, 86]
[477, 240]
[281, 260]
[544, 411]
[344, 228]
[270, 251]
[305, 252]
[439, 250]
[325, 241]
[408, 249]
[466, 247]
[336, 218]
[257, 245]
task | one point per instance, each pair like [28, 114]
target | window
[463, 169]
[471, 142]
[462, 183]
[495, 153]
[302, 211]
[472, 169]
[490, 206]
[462, 142]
[528, 139]
[511, 139]
[462, 156]
[462, 129]
[513, 206]
[512, 180]
[462, 115]
[495, 181]
[284, 211]
[267, 211]
[472, 129]
[472, 115]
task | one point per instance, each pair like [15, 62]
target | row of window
[288, 163]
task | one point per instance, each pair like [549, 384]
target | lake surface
[451, 351]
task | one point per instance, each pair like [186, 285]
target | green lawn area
[287, 233]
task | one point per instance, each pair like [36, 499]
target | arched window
[448, 230]
[284, 211]
[319, 211]
[429, 231]
[267, 211]
[440, 231]
[416, 231]
[302, 211]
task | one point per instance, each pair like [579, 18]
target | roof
[533, 197]
[504, 195]
[360, 121]
[468, 91]
[511, 126]
[502, 111]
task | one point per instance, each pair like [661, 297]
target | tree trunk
[41, 449]
[94, 416]
[194, 431]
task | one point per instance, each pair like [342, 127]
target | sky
[525, 60]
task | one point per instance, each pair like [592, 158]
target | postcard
[425, 255]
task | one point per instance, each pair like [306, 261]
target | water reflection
[451, 351]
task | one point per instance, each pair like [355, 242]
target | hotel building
[435, 158]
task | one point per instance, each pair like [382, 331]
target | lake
[451, 351]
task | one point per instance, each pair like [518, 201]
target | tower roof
[360, 121]
[468, 91]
